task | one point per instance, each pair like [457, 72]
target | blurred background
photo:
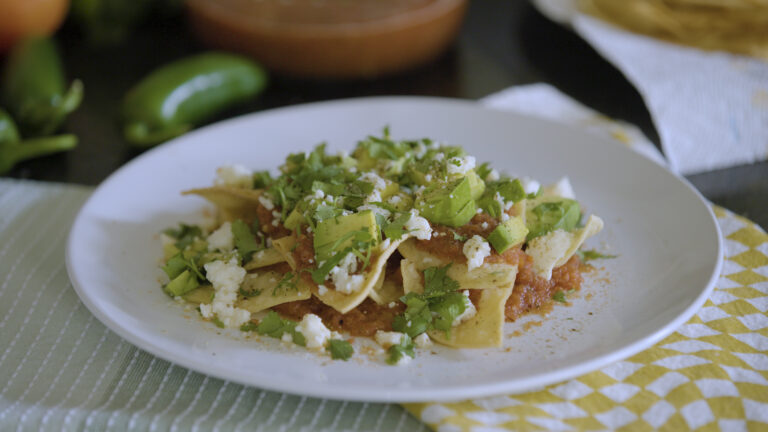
[465, 50]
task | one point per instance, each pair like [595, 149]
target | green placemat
[61, 369]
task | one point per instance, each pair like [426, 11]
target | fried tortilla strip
[346, 302]
[386, 291]
[266, 284]
[264, 258]
[337, 300]
[556, 248]
[284, 246]
[233, 203]
[485, 329]
[497, 275]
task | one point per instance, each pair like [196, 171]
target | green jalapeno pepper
[33, 87]
[13, 150]
[173, 99]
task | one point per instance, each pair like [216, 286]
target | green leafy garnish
[177, 264]
[436, 308]
[249, 293]
[550, 216]
[250, 326]
[340, 349]
[217, 322]
[458, 237]
[245, 241]
[396, 229]
[184, 235]
[592, 255]
[404, 348]
[274, 326]
[560, 296]
[288, 281]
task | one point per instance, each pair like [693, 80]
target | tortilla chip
[485, 329]
[270, 295]
[386, 291]
[346, 302]
[264, 258]
[284, 246]
[496, 275]
[233, 203]
[556, 248]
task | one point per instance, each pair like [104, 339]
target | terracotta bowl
[330, 38]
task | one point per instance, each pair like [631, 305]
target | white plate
[665, 234]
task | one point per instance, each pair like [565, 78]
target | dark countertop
[502, 43]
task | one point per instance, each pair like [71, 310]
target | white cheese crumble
[387, 339]
[385, 244]
[476, 249]
[287, 337]
[469, 310]
[418, 226]
[375, 209]
[342, 275]
[319, 194]
[315, 332]
[492, 176]
[460, 166]
[266, 202]
[235, 176]
[222, 239]
[484, 225]
[422, 340]
[395, 200]
[562, 189]
[226, 278]
[322, 290]
[530, 185]
[428, 177]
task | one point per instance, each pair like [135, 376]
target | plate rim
[411, 394]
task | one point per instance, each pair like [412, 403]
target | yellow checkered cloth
[710, 374]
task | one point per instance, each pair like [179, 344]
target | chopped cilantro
[245, 241]
[436, 308]
[250, 326]
[217, 322]
[288, 281]
[340, 349]
[560, 296]
[184, 235]
[261, 179]
[396, 229]
[458, 237]
[249, 293]
[483, 170]
[592, 255]
[320, 273]
[324, 211]
[177, 264]
[404, 348]
[437, 282]
[274, 326]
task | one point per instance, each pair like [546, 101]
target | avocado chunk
[507, 234]
[546, 214]
[181, 284]
[294, 220]
[476, 185]
[508, 190]
[448, 204]
[335, 234]
[201, 294]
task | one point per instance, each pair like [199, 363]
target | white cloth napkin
[543, 100]
[710, 108]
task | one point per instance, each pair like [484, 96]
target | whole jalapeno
[13, 150]
[174, 98]
[33, 87]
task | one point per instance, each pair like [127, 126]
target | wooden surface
[502, 43]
